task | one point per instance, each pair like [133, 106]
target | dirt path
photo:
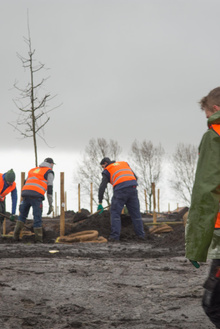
[107, 286]
[127, 285]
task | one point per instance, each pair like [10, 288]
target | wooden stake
[79, 206]
[62, 205]
[22, 182]
[65, 201]
[91, 198]
[154, 203]
[56, 204]
[145, 197]
[158, 200]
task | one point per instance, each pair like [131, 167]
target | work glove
[100, 208]
[12, 218]
[195, 263]
[50, 210]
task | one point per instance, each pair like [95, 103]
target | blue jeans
[36, 204]
[126, 196]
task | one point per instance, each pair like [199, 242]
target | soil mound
[83, 221]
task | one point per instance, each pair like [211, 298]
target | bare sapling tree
[184, 161]
[89, 170]
[33, 106]
[146, 159]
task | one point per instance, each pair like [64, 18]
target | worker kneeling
[124, 182]
[38, 182]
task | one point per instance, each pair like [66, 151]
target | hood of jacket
[46, 164]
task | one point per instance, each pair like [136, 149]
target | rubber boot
[18, 227]
[38, 231]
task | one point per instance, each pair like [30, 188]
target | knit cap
[10, 176]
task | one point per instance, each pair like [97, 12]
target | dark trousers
[2, 210]
[126, 196]
[36, 204]
[211, 296]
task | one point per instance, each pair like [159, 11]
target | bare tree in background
[183, 165]
[147, 161]
[89, 170]
[33, 114]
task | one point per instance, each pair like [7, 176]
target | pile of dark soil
[77, 222]
[102, 223]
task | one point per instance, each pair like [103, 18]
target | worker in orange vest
[124, 183]
[38, 182]
[8, 185]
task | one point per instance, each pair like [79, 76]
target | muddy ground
[126, 285]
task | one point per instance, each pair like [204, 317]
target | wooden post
[62, 205]
[145, 197]
[65, 201]
[22, 182]
[79, 206]
[91, 199]
[177, 206]
[168, 208]
[158, 200]
[154, 203]
[56, 205]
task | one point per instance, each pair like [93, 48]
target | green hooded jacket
[201, 237]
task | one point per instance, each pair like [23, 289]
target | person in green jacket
[202, 232]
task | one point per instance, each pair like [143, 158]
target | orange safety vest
[120, 172]
[36, 181]
[216, 128]
[7, 190]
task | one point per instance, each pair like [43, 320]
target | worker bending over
[124, 182]
[8, 185]
[38, 182]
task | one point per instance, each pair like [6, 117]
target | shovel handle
[99, 211]
[4, 215]
[8, 217]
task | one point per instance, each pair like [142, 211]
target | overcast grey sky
[123, 69]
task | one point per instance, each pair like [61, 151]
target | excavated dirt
[125, 285]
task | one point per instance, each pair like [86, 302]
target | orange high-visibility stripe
[36, 181]
[7, 190]
[120, 172]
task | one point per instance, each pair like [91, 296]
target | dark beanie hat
[10, 176]
[104, 160]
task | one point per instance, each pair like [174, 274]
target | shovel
[86, 217]
[8, 217]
